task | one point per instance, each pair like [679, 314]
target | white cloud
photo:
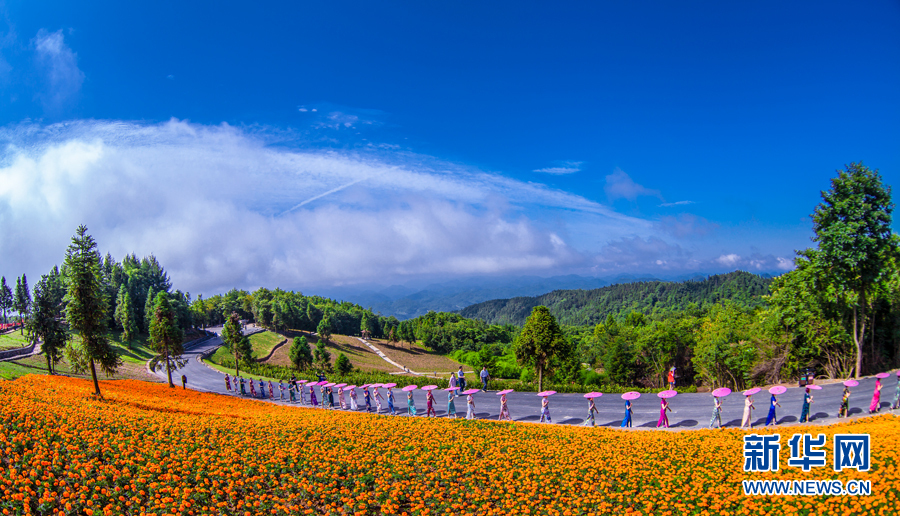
[728, 260]
[63, 78]
[676, 203]
[619, 185]
[568, 167]
[222, 208]
[686, 225]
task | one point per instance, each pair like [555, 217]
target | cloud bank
[222, 207]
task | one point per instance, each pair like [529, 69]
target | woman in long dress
[716, 414]
[252, 388]
[451, 407]
[592, 408]
[844, 411]
[453, 383]
[367, 398]
[353, 405]
[470, 407]
[429, 402]
[271, 390]
[807, 400]
[227, 383]
[378, 398]
[748, 412]
[876, 397]
[771, 419]
[291, 392]
[663, 416]
[626, 421]
[545, 410]
[410, 404]
[391, 401]
[312, 395]
[897, 394]
[341, 399]
[504, 409]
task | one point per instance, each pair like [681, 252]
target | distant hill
[589, 307]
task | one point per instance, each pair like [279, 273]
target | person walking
[227, 382]
[897, 394]
[592, 409]
[461, 375]
[876, 397]
[271, 390]
[748, 412]
[341, 399]
[291, 392]
[300, 392]
[454, 383]
[716, 414]
[331, 398]
[844, 410]
[366, 398]
[663, 416]
[545, 410]
[672, 378]
[451, 406]
[243, 388]
[391, 401]
[504, 409]
[378, 398]
[410, 404]
[252, 388]
[484, 378]
[353, 404]
[804, 412]
[627, 420]
[771, 419]
[470, 406]
[281, 390]
[429, 402]
[312, 394]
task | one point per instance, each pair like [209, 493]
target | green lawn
[262, 344]
[13, 340]
[12, 370]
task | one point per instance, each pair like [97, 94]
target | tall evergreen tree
[853, 228]
[300, 354]
[236, 342]
[324, 329]
[539, 342]
[125, 315]
[22, 299]
[148, 309]
[45, 322]
[6, 299]
[86, 309]
[165, 335]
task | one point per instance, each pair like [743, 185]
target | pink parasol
[505, 391]
[751, 392]
[374, 385]
[349, 387]
[668, 394]
[882, 375]
[851, 383]
[452, 389]
[778, 389]
[388, 385]
[429, 387]
[814, 387]
[592, 395]
[721, 392]
[302, 381]
[546, 393]
[410, 388]
[471, 391]
[327, 384]
[338, 386]
[631, 396]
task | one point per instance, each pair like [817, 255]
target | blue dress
[771, 417]
[627, 421]
[391, 401]
[804, 414]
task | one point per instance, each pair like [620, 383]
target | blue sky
[343, 142]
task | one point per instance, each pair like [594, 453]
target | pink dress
[876, 397]
[663, 418]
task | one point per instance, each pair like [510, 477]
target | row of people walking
[305, 392]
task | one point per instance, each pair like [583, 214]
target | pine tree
[300, 354]
[540, 341]
[22, 299]
[6, 299]
[125, 315]
[324, 329]
[148, 309]
[86, 309]
[342, 364]
[236, 342]
[322, 357]
[45, 322]
[165, 335]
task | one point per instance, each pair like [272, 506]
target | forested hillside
[654, 298]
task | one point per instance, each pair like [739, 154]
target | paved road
[691, 411]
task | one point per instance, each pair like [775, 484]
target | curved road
[690, 411]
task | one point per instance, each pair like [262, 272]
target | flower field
[148, 449]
